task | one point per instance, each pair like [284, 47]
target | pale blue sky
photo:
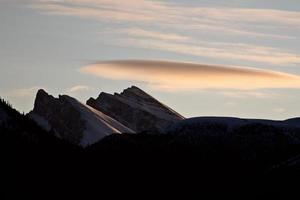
[47, 43]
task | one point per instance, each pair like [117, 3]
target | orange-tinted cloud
[190, 76]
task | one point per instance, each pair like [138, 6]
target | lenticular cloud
[190, 76]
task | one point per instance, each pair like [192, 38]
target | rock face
[136, 109]
[72, 120]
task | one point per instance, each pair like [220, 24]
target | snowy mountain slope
[231, 122]
[293, 122]
[72, 120]
[96, 122]
[136, 109]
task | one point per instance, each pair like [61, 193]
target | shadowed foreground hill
[210, 161]
[28, 153]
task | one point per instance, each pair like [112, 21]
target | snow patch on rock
[98, 125]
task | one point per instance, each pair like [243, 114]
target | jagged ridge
[136, 109]
[73, 121]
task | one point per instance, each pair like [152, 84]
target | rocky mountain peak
[135, 109]
[42, 97]
[73, 121]
[135, 92]
[41, 93]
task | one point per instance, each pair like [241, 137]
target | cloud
[186, 25]
[79, 88]
[230, 104]
[248, 94]
[172, 13]
[279, 110]
[168, 75]
[138, 32]
[23, 92]
[22, 97]
[260, 16]
[245, 52]
[131, 10]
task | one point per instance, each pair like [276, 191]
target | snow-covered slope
[293, 122]
[231, 122]
[136, 109]
[74, 121]
[98, 125]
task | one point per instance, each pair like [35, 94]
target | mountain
[20, 136]
[265, 142]
[30, 155]
[260, 142]
[211, 156]
[231, 122]
[72, 120]
[239, 132]
[293, 122]
[136, 109]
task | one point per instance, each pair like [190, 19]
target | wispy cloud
[146, 23]
[172, 13]
[21, 96]
[248, 94]
[244, 52]
[142, 33]
[279, 110]
[79, 88]
[23, 92]
[167, 75]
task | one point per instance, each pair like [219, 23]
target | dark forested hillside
[245, 162]
[17, 130]
[28, 152]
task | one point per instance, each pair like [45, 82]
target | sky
[236, 58]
